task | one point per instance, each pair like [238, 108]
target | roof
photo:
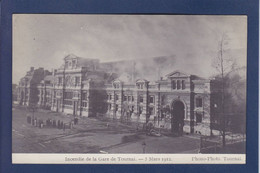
[195, 77]
[70, 56]
[81, 62]
[141, 80]
[177, 73]
[49, 78]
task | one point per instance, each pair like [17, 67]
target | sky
[43, 40]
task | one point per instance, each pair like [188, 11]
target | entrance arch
[178, 114]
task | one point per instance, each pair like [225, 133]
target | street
[91, 135]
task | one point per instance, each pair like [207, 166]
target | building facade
[85, 87]
[28, 93]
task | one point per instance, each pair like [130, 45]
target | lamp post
[144, 145]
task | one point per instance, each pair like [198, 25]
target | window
[116, 86]
[198, 117]
[109, 106]
[58, 93]
[125, 98]
[77, 81]
[67, 102]
[129, 98]
[132, 108]
[116, 97]
[75, 94]
[183, 84]
[74, 63]
[66, 64]
[116, 108]
[173, 84]
[60, 81]
[151, 110]
[178, 84]
[133, 99]
[141, 99]
[198, 102]
[140, 110]
[84, 96]
[68, 95]
[140, 86]
[151, 99]
[84, 104]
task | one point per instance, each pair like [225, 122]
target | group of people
[34, 121]
[51, 123]
[59, 124]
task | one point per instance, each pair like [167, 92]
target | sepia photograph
[129, 85]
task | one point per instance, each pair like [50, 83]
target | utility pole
[222, 93]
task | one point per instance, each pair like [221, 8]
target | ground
[91, 135]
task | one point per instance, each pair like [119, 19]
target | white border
[35, 158]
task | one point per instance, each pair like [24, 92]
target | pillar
[144, 105]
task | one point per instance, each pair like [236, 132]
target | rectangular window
[151, 110]
[84, 96]
[116, 86]
[75, 94]
[68, 95]
[198, 102]
[74, 63]
[117, 97]
[132, 108]
[198, 117]
[67, 102]
[178, 84]
[60, 81]
[116, 108]
[129, 98]
[141, 99]
[140, 110]
[125, 98]
[183, 84]
[84, 104]
[66, 64]
[109, 106]
[133, 99]
[77, 81]
[173, 84]
[151, 99]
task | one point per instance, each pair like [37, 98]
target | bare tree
[224, 64]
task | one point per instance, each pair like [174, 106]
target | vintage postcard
[129, 89]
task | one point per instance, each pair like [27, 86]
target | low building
[27, 90]
[86, 87]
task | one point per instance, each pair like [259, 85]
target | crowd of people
[51, 123]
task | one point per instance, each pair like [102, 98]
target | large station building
[87, 88]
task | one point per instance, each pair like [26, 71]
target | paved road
[90, 136]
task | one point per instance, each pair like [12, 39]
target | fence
[213, 144]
